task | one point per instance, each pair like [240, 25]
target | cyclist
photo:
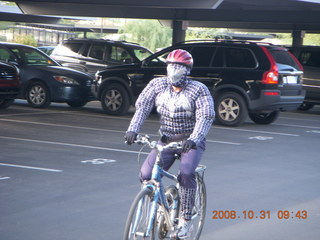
[186, 112]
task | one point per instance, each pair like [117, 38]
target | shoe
[184, 228]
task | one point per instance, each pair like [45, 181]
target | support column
[297, 38]
[179, 31]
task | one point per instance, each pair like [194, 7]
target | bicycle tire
[199, 208]
[146, 196]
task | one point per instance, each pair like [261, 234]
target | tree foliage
[148, 33]
[26, 39]
[203, 33]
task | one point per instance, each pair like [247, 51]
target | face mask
[177, 74]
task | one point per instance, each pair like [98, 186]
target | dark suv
[309, 57]
[9, 84]
[91, 55]
[244, 78]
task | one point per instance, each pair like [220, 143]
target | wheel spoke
[37, 95]
[229, 109]
[113, 100]
[138, 220]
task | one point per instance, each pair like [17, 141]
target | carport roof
[13, 14]
[249, 14]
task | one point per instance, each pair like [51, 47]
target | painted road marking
[99, 161]
[230, 143]
[295, 126]
[261, 138]
[4, 178]
[256, 131]
[156, 135]
[29, 167]
[313, 131]
[62, 125]
[73, 145]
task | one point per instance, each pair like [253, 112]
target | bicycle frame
[156, 185]
[167, 201]
[159, 195]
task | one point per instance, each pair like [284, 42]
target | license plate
[290, 79]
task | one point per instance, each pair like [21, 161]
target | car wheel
[115, 100]
[264, 118]
[231, 109]
[306, 106]
[5, 103]
[77, 103]
[38, 95]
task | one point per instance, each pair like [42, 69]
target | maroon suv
[9, 84]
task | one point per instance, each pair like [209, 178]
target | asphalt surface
[65, 173]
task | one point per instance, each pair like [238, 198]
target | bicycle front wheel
[199, 210]
[139, 215]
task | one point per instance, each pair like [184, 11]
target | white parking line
[296, 126]
[72, 145]
[61, 125]
[300, 119]
[4, 178]
[229, 143]
[96, 129]
[29, 167]
[256, 131]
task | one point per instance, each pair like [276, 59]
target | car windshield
[141, 53]
[32, 57]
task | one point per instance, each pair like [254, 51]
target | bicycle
[154, 213]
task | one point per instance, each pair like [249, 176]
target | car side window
[160, 60]
[202, 55]
[311, 59]
[121, 55]
[6, 56]
[32, 57]
[96, 51]
[239, 58]
[217, 61]
[68, 49]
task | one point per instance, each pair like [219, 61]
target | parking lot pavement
[65, 173]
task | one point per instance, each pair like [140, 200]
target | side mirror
[144, 63]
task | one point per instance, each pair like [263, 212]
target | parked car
[245, 78]
[43, 80]
[9, 84]
[309, 57]
[91, 55]
[47, 49]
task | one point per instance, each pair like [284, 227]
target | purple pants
[188, 164]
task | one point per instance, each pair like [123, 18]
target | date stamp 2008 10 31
[262, 214]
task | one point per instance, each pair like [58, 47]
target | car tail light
[271, 76]
[271, 93]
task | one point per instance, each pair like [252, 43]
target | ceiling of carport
[12, 14]
[273, 15]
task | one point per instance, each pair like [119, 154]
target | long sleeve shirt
[190, 111]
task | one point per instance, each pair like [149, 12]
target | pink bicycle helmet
[180, 56]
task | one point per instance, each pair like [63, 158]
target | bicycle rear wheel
[199, 210]
[138, 218]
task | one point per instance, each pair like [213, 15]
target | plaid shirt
[190, 111]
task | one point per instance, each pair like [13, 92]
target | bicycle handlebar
[145, 140]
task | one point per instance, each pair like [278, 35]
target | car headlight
[66, 80]
[98, 78]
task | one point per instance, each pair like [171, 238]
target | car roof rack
[102, 39]
[221, 40]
